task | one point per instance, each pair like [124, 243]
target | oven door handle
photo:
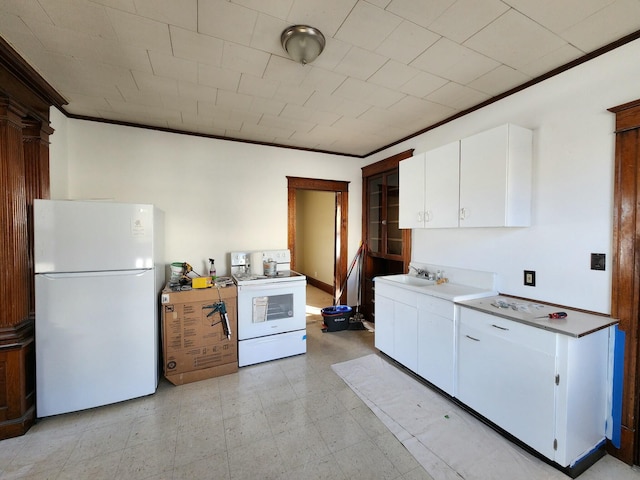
[287, 285]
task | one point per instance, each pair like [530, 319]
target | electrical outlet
[530, 278]
[598, 261]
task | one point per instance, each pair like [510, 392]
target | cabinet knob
[463, 213]
[419, 217]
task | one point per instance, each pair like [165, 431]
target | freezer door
[75, 236]
[96, 339]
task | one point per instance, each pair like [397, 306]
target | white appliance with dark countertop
[97, 283]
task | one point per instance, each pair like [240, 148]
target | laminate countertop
[576, 324]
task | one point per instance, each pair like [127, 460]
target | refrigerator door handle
[108, 273]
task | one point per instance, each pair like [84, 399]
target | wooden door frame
[625, 288]
[341, 189]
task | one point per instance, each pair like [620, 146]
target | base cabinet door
[436, 342]
[508, 378]
[397, 323]
[384, 325]
[406, 335]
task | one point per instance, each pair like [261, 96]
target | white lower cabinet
[506, 372]
[436, 341]
[416, 330]
[546, 389]
[397, 324]
[384, 323]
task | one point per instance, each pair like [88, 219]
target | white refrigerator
[99, 270]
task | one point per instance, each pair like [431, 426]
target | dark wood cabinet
[383, 234]
[387, 247]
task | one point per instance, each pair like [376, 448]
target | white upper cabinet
[429, 186]
[495, 178]
[480, 181]
[442, 186]
[412, 192]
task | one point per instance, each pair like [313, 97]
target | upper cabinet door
[495, 178]
[442, 186]
[412, 191]
[429, 188]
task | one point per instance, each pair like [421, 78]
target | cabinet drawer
[438, 306]
[397, 294]
[509, 330]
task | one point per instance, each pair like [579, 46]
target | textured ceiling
[391, 68]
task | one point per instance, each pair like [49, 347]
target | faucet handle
[419, 271]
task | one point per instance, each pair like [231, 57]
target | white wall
[221, 196]
[58, 155]
[572, 186]
[218, 196]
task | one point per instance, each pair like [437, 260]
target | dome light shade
[302, 43]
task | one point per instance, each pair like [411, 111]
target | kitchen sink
[412, 280]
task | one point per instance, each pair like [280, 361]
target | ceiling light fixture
[303, 43]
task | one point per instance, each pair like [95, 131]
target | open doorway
[341, 193]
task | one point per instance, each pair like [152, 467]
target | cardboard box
[197, 375]
[194, 344]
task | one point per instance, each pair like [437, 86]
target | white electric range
[271, 308]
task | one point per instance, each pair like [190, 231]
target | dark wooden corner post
[25, 99]
[17, 356]
[625, 295]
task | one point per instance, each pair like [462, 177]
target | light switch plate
[598, 261]
[530, 278]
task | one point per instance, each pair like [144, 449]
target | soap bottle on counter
[212, 270]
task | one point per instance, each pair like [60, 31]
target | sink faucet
[419, 271]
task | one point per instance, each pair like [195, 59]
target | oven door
[270, 308]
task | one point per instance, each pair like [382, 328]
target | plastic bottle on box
[212, 270]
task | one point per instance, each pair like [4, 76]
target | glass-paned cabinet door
[375, 190]
[394, 235]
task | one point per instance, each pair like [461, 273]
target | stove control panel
[241, 261]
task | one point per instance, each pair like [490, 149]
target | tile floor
[287, 419]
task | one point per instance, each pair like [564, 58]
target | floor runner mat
[445, 439]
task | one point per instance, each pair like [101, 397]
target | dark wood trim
[303, 183]
[386, 164]
[341, 189]
[625, 288]
[627, 116]
[325, 287]
[25, 84]
[17, 335]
